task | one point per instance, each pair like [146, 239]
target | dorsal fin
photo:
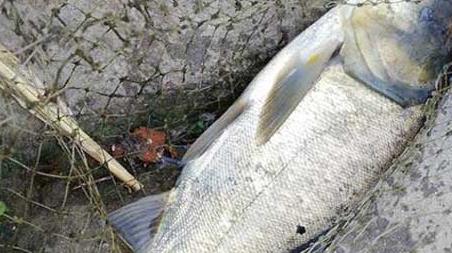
[215, 130]
[295, 79]
[138, 222]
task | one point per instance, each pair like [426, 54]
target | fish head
[435, 33]
[397, 46]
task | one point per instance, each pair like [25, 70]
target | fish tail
[138, 222]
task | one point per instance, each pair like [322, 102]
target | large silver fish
[311, 133]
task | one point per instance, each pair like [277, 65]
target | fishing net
[386, 217]
[142, 78]
[333, 3]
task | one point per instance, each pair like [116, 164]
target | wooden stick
[23, 88]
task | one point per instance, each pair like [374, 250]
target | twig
[33, 44]
[18, 84]
[14, 248]
[95, 182]
[18, 220]
[29, 201]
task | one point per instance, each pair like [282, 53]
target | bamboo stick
[24, 88]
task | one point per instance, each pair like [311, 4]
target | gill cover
[393, 56]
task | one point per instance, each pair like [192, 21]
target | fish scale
[323, 201]
[309, 136]
[378, 119]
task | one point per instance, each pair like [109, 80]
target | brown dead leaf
[148, 143]
[154, 141]
[154, 137]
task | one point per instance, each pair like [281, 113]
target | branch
[28, 91]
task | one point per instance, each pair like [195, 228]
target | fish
[307, 138]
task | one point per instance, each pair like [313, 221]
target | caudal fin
[138, 222]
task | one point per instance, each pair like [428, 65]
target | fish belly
[241, 197]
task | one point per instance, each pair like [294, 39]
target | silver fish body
[253, 199]
[307, 138]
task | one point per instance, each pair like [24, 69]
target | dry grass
[57, 196]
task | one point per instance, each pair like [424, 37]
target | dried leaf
[156, 138]
[154, 141]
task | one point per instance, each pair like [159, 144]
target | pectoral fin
[297, 76]
[138, 222]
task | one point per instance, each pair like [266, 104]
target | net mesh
[129, 73]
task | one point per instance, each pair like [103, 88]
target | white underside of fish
[304, 142]
[238, 197]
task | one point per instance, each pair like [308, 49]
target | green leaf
[2, 208]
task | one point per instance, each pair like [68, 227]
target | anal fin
[138, 222]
